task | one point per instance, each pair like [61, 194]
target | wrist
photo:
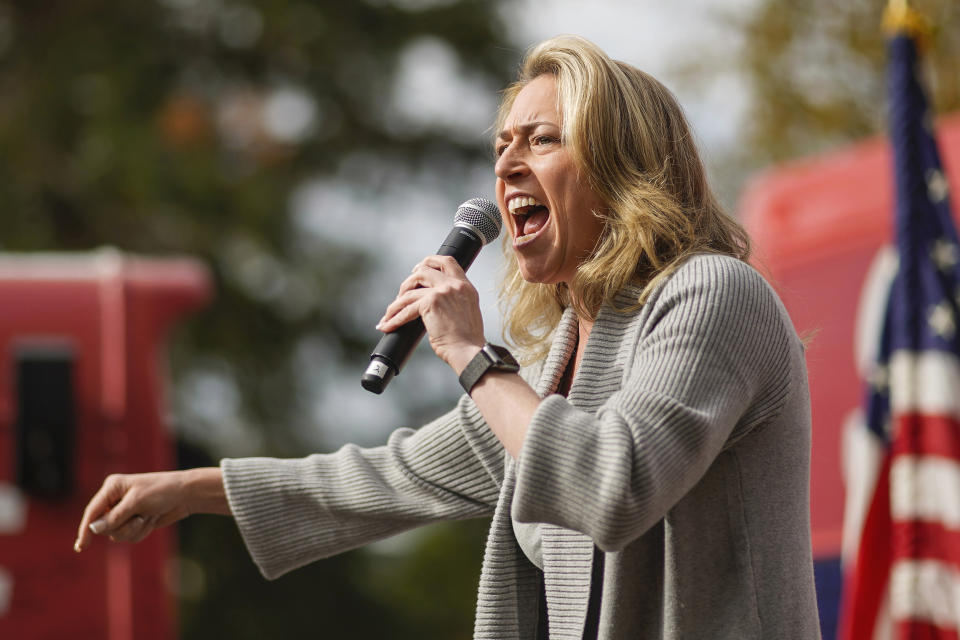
[489, 358]
[461, 357]
[204, 489]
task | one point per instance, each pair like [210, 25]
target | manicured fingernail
[76, 546]
[98, 526]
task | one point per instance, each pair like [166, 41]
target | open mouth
[529, 216]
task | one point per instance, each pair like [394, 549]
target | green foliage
[816, 70]
[410, 582]
[813, 75]
[428, 591]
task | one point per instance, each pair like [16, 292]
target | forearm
[507, 403]
[505, 400]
[292, 512]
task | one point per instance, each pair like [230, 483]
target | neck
[583, 332]
[584, 325]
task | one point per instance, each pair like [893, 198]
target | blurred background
[308, 153]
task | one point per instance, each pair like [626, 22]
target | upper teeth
[522, 201]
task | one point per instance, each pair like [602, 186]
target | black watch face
[506, 356]
[491, 357]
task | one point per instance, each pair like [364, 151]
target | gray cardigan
[682, 451]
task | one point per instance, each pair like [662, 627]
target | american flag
[902, 525]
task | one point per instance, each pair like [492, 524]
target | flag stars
[937, 185]
[941, 320]
[945, 254]
[888, 428]
[879, 379]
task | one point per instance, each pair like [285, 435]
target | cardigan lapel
[508, 578]
[508, 581]
[603, 364]
[568, 555]
[561, 349]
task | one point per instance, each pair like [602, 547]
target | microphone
[476, 223]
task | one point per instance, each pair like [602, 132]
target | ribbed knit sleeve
[710, 364]
[292, 512]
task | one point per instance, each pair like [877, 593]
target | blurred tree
[183, 126]
[814, 76]
[817, 72]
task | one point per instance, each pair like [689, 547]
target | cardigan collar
[608, 328]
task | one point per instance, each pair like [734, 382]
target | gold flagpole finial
[900, 18]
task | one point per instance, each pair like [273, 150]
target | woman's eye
[542, 140]
[499, 149]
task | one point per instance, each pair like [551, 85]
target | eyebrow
[527, 126]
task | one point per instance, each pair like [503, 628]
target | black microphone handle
[394, 348]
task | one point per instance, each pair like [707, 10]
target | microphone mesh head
[482, 215]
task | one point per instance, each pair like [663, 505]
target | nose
[511, 165]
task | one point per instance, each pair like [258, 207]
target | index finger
[99, 504]
[420, 277]
[446, 264]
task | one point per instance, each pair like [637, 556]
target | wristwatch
[490, 357]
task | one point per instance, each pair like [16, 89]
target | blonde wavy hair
[630, 139]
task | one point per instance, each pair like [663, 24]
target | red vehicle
[819, 226]
[82, 387]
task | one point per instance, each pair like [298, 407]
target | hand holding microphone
[438, 292]
[447, 299]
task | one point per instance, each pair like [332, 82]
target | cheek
[587, 227]
[499, 190]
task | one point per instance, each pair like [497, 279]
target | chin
[537, 277]
[529, 277]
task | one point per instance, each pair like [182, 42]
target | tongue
[535, 221]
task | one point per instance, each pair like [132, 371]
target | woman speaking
[646, 471]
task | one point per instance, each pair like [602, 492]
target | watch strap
[489, 357]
